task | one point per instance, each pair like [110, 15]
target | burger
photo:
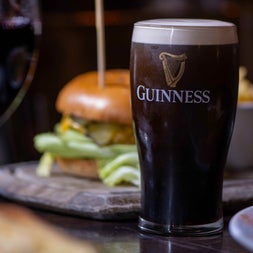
[94, 138]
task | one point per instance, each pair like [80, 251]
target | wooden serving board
[67, 194]
[92, 199]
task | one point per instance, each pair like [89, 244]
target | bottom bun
[79, 167]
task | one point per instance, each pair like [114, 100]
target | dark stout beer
[184, 95]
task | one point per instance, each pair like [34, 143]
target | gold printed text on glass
[173, 66]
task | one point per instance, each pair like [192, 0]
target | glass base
[181, 230]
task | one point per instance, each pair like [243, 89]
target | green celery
[123, 159]
[45, 165]
[117, 163]
[123, 174]
[72, 135]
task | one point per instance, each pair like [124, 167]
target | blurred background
[68, 48]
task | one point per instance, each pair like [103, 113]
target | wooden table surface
[125, 237]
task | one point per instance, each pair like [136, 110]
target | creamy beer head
[185, 32]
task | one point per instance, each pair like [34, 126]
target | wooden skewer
[100, 42]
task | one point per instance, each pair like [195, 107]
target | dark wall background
[68, 48]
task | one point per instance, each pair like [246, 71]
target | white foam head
[185, 32]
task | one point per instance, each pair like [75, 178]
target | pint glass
[184, 84]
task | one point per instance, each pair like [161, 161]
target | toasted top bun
[82, 97]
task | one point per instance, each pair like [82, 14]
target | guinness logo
[173, 66]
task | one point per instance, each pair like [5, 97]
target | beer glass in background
[184, 82]
[20, 30]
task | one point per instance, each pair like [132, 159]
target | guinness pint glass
[184, 82]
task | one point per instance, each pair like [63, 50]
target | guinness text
[172, 95]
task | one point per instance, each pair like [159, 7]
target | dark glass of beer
[184, 84]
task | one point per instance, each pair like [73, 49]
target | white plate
[241, 227]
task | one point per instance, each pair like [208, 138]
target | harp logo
[173, 66]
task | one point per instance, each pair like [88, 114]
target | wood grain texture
[63, 193]
[91, 198]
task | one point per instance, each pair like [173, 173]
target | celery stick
[45, 140]
[89, 150]
[123, 148]
[123, 159]
[51, 143]
[71, 135]
[45, 164]
[124, 174]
